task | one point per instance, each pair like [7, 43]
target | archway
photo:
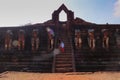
[68, 13]
[62, 16]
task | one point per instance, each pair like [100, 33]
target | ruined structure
[87, 46]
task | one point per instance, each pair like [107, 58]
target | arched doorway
[68, 13]
[63, 19]
[62, 16]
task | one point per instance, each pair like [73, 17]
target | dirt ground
[60, 76]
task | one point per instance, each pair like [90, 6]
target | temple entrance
[61, 13]
[63, 20]
[62, 16]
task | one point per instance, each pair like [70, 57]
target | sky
[22, 12]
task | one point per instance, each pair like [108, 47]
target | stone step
[62, 70]
[63, 59]
[63, 62]
[64, 55]
[67, 44]
[67, 50]
[63, 65]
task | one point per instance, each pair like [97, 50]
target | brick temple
[88, 47]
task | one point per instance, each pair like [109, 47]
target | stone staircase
[64, 62]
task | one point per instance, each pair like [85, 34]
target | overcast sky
[21, 12]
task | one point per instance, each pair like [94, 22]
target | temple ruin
[88, 47]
